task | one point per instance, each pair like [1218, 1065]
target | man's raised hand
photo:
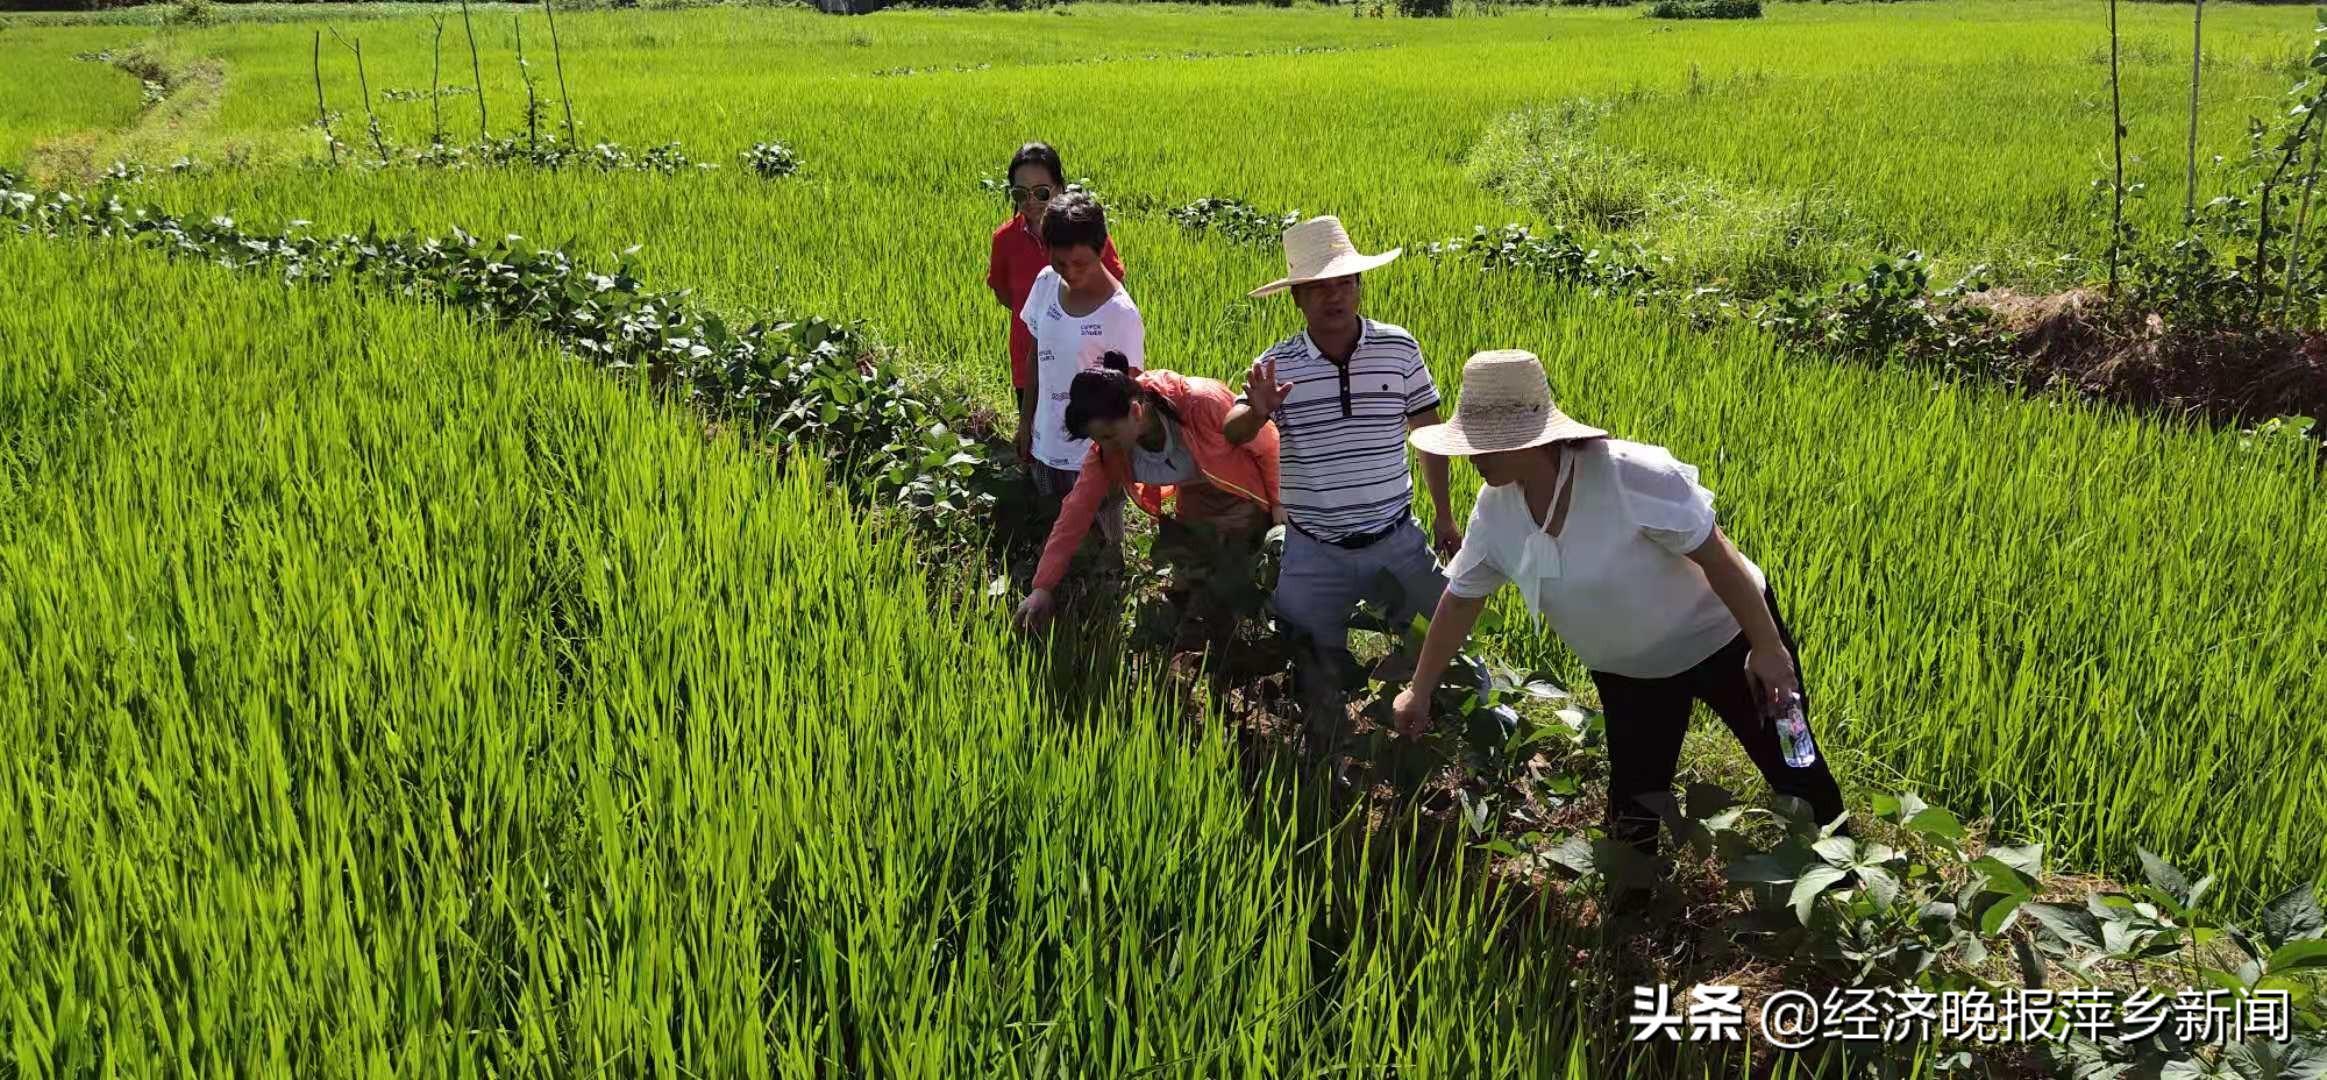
[1262, 389]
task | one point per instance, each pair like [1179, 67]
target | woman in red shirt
[1017, 258]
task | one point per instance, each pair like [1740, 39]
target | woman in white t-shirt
[1077, 313]
[1615, 546]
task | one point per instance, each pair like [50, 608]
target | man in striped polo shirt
[1343, 395]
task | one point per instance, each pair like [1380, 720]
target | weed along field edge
[512, 516]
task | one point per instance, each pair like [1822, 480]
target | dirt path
[182, 97]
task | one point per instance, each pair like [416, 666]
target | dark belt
[1353, 542]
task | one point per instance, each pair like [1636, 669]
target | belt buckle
[1363, 541]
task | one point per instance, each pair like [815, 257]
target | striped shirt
[1344, 473]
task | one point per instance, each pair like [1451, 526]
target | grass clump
[1702, 229]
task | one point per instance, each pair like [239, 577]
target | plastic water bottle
[1794, 733]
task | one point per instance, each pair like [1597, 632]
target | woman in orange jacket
[1157, 435]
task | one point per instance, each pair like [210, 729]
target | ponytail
[1107, 394]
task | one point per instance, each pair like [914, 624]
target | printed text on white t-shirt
[1065, 344]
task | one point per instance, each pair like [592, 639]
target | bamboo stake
[364, 84]
[436, 84]
[322, 115]
[2197, 60]
[2117, 141]
[532, 105]
[476, 75]
[558, 55]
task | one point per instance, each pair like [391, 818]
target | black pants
[1647, 718]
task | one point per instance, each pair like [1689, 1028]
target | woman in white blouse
[1615, 546]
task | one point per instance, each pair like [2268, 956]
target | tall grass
[384, 696]
[1945, 124]
[2099, 628]
[1990, 584]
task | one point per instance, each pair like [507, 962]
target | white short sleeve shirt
[1065, 344]
[1616, 584]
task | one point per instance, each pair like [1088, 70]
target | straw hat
[1318, 250]
[1505, 405]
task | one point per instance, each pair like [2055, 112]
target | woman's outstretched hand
[1034, 610]
[1411, 712]
[1772, 674]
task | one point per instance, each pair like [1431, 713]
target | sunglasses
[1041, 193]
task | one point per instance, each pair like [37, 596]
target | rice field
[420, 722]
[401, 697]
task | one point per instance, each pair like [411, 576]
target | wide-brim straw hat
[1505, 405]
[1319, 249]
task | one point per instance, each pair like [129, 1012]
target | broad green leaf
[2028, 859]
[2307, 1057]
[1807, 888]
[1999, 911]
[2299, 956]
[2003, 877]
[1937, 823]
[2074, 926]
[2190, 1068]
[1760, 870]
[2198, 892]
[2222, 979]
[1838, 851]
[1574, 853]
[2297, 989]
[2293, 916]
[1879, 884]
[2165, 876]
[1727, 819]
[2031, 965]
[1975, 951]
[1796, 813]
[2163, 899]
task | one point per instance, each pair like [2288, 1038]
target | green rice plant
[1549, 160]
[386, 692]
[2010, 631]
[2094, 628]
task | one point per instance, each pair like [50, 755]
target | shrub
[1234, 219]
[771, 160]
[1706, 9]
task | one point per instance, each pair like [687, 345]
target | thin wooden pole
[364, 83]
[2117, 142]
[436, 85]
[476, 75]
[532, 104]
[322, 115]
[559, 56]
[2197, 60]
